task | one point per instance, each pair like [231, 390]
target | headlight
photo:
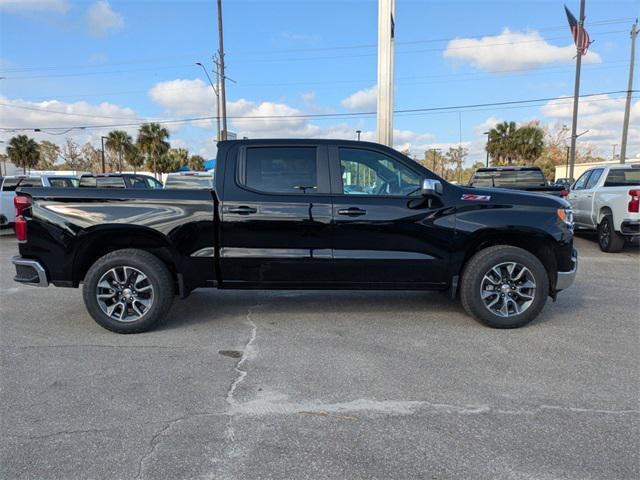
[566, 216]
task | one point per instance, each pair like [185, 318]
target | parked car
[529, 179]
[281, 217]
[189, 180]
[607, 199]
[564, 183]
[119, 180]
[9, 184]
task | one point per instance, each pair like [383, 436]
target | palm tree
[117, 142]
[501, 143]
[23, 152]
[180, 156]
[196, 162]
[152, 141]
[133, 156]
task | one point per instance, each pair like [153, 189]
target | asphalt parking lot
[324, 385]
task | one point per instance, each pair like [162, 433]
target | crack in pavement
[155, 439]
[241, 374]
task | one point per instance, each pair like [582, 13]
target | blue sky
[103, 63]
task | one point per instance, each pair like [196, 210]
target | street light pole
[487, 147]
[358, 132]
[216, 93]
[102, 141]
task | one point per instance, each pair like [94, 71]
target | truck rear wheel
[504, 286]
[128, 291]
[609, 240]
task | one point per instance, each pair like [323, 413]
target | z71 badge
[477, 198]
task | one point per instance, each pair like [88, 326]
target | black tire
[480, 265]
[157, 276]
[609, 240]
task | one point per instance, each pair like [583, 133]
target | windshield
[511, 178]
[188, 181]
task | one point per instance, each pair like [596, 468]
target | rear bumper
[565, 279]
[30, 272]
[630, 227]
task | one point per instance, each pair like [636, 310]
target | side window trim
[322, 169]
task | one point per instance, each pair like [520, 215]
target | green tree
[180, 156]
[117, 142]
[168, 162]
[196, 163]
[455, 157]
[501, 143]
[434, 161]
[23, 152]
[528, 143]
[133, 156]
[153, 143]
[49, 154]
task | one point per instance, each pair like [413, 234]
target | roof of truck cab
[300, 141]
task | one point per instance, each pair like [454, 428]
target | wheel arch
[537, 242]
[104, 239]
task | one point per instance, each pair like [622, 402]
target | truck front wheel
[128, 291]
[504, 286]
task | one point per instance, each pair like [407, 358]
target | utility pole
[358, 132]
[223, 94]
[576, 91]
[613, 156]
[627, 105]
[386, 41]
[217, 89]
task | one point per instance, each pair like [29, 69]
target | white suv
[607, 199]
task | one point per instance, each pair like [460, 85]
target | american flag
[573, 25]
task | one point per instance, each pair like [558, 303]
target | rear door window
[281, 169]
[30, 182]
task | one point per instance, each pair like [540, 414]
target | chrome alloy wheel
[125, 294]
[508, 289]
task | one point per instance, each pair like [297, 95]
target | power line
[322, 115]
[319, 49]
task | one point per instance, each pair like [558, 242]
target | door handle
[243, 210]
[352, 211]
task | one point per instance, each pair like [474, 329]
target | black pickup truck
[529, 179]
[298, 214]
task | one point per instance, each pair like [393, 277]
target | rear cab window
[188, 182]
[289, 170]
[511, 178]
[623, 177]
[110, 182]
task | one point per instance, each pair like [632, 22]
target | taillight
[564, 193]
[634, 203]
[21, 202]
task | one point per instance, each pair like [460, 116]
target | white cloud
[510, 51]
[184, 97]
[603, 117]
[62, 115]
[362, 100]
[58, 6]
[101, 19]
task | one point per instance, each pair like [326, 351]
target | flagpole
[576, 90]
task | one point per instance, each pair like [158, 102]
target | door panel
[381, 235]
[281, 239]
[579, 200]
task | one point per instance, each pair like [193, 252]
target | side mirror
[431, 188]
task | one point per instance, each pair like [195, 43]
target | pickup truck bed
[298, 214]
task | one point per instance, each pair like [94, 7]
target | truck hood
[515, 197]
